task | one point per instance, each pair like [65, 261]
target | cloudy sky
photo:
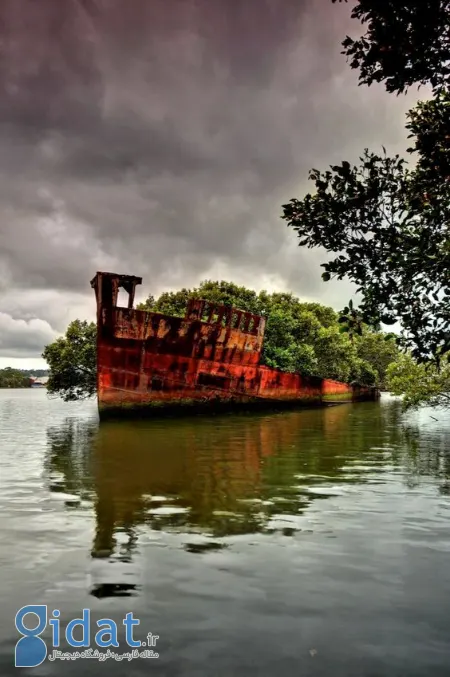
[161, 138]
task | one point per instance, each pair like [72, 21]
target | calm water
[305, 543]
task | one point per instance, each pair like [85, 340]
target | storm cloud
[160, 139]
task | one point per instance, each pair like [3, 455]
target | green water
[306, 543]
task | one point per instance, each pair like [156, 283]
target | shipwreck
[151, 364]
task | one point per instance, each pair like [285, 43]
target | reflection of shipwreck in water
[193, 484]
[209, 360]
[193, 479]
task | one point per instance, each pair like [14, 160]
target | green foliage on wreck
[72, 360]
[300, 337]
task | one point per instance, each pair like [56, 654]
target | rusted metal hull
[151, 364]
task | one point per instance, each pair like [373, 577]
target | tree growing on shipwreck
[304, 337]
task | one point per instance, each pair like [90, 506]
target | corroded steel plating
[151, 363]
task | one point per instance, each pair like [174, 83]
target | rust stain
[150, 362]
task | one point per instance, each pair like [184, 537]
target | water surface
[304, 543]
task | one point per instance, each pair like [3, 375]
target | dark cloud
[161, 139]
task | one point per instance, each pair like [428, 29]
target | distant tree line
[19, 378]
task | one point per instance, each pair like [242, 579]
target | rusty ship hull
[152, 364]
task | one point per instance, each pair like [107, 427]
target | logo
[31, 649]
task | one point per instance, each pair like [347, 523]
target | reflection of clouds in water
[426, 449]
[68, 460]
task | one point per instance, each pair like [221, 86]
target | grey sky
[163, 144]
